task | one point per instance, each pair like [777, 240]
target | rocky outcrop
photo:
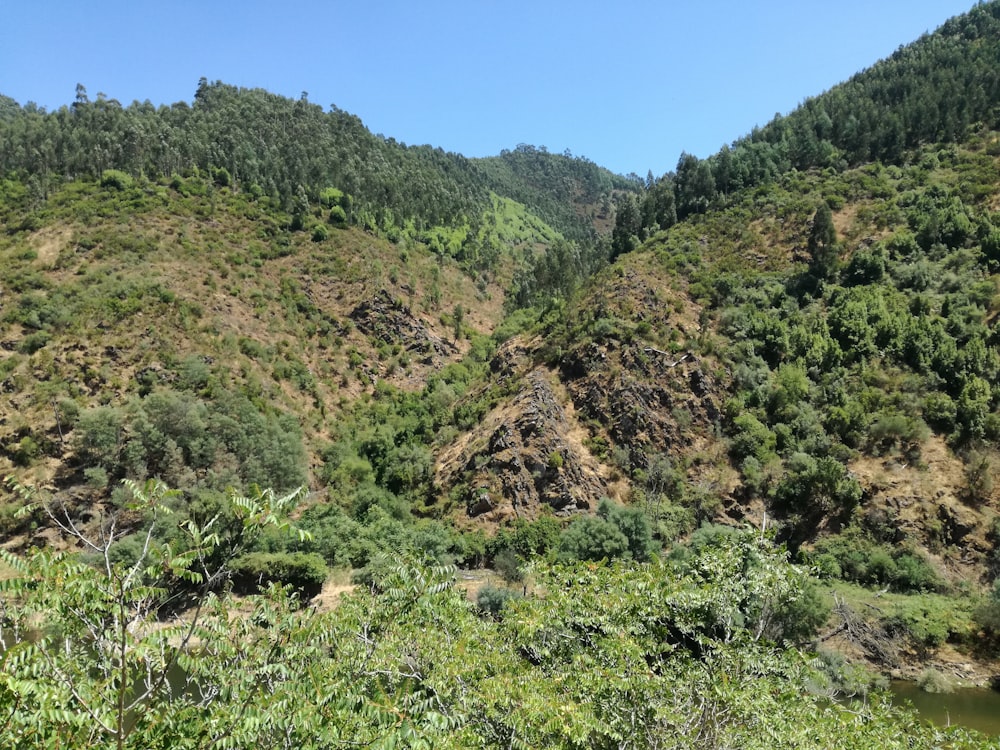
[387, 319]
[649, 401]
[525, 459]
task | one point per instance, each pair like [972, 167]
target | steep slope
[571, 193]
[112, 294]
[526, 456]
[852, 375]
[931, 91]
[291, 150]
[819, 358]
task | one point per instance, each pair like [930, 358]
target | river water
[975, 708]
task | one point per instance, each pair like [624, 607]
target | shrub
[333, 197]
[894, 430]
[97, 477]
[509, 565]
[26, 451]
[491, 600]
[930, 620]
[34, 341]
[338, 217]
[940, 412]
[866, 266]
[854, 556]
[987, 615]
[526, 538]
[799, 619]
[915, 573]
[933, 681]
[838, 677]
[99, 436]
[751, 438]
[305, 572]
[633, 524]
[221, 177]
[816, 485]
[592, 539]
[978, 477]
[116, 179]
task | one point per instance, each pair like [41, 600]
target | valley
[712, 448]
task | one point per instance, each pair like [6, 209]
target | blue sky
[628, 84]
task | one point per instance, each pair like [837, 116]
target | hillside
[931, 91]
[604, 389]
[150, 320]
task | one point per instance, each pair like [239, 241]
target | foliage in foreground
[673, 653]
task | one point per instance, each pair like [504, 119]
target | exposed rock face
[648, 400]
[388, 320]
[525, 457]
[956, 523]
[615, 400]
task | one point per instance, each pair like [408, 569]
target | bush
[221, 177]
[838, 677]
[526, 538]
[26, 451]
[99, 436]
[491, 600]
[978, 477]
[331, 197]
[633, 524]
[866, 266]
[592, 539]
[853, 556]
[338, 217]
[933, 681]
[895, 430]
[930, 620]
[97, 478]
[509, 565]
[915, 573]
[799, 619]
[940, 412]
[33, 342]
[987, 615]
[816, 485]
[305, 572]
[751, 438]
[116, 179]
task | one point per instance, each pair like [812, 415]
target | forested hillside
[289, 150]
[931, 91]
[596, 461]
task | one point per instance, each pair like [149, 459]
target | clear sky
[628, 84]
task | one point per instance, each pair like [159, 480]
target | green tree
[694, 185]
[816, 486]
[658, 209]
[633, 524]
[457, 318]
[668, 654]
[591, 538]
[628, 227]
[100, 673]
[823, 248]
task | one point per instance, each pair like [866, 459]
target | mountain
[931, 91]
[527, 358]
[290, 150]
[254, 259]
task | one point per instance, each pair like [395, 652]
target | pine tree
[823, 249]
